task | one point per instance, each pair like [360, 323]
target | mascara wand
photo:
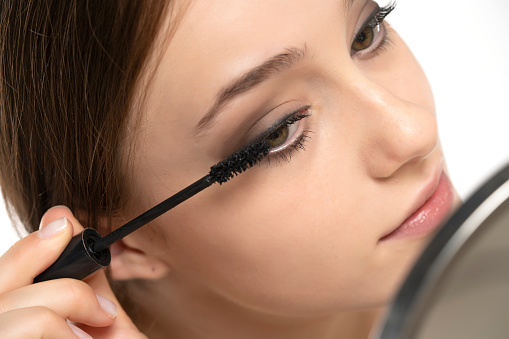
[88, 251]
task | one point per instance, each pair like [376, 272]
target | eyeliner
[276, 125]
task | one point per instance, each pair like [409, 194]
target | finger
[114, 332]
[100, 285]
[35, 322]
[31, 255]
[57, 212]
[79, 332]
[69, 298]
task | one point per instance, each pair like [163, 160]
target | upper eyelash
[299, 142]
[293, 119]
[377, 19]
[380, 16]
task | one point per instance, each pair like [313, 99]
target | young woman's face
[355, 155]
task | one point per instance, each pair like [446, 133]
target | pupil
[278, 137]
[364, 39]
[361, 37]
[276, 134]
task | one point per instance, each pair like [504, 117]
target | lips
[429, 214]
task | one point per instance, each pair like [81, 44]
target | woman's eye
[364, 39]
[291, 135]
[280, 136]
[373, 35]
[368, 39]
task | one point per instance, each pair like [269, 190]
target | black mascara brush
[88, 251]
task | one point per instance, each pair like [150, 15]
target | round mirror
[459, 287]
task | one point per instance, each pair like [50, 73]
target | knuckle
[75, 290]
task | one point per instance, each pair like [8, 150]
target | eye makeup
[289, 133]
[372, 36]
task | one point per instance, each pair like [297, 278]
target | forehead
[215, 40]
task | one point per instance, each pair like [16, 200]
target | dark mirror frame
[415, 295]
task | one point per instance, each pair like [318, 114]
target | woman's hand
[41, 310]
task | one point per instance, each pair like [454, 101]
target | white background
[463, 47]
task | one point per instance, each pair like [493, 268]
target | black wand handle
[78, 261]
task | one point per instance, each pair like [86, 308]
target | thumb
[57, 212]
[98, 280]
[122, 327]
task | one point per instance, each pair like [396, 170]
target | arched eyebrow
[271, 67]
[348, 5]
[253, 77]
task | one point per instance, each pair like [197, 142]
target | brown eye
[278, 137]
[364, 39]
[286, 135]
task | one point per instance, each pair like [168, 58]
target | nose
[395, 131]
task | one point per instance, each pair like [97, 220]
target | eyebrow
[348, 5]
[271, 67]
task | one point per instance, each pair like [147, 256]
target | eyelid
[377, 23]
[376, 18]
[370, 17]
[277, 125]
[380, 36]
[293, 123]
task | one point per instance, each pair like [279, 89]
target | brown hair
[68, 70]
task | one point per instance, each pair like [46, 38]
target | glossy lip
[431, 207]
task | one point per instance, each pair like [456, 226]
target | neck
[165, 311]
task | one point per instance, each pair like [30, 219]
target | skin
[50, 303]
[289, 249]
[291, 242]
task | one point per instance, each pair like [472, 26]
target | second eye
[368, 39]
[373, 35]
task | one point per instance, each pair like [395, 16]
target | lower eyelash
[378, 20]
[286, 153]
[386, 43]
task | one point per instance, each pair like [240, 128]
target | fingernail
[79, 332]
[61, 206]
[57, 206]
[107, 306]
[53, 228]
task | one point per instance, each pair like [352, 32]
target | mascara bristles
[238, 162]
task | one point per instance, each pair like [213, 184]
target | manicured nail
[61, 206]
[53, 228]
[79, 332]
[107, 306]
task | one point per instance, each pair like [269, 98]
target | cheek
[273, 243]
